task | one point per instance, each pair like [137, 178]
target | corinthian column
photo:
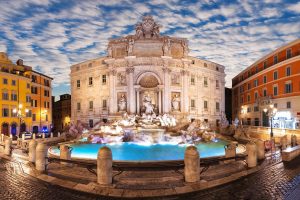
[167, 94]
[131, 92]
[185, 85]
[112, 93]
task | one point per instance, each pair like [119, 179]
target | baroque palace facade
[272, 80]
[25, 103]
[147, 73]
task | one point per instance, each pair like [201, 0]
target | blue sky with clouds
[51, 35]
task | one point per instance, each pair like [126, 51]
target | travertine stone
[191, 164]
[65, 154]
[252, 154]
[41, 153]
[23, 137]
[43, 135]
[7, 148]
[104, 166]
[293, 140]
[33, 136]
[260, 149]
[51, 135]
[230, 151]
[32, 151]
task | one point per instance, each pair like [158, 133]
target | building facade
[147, 73]
[17, 105]
[62, 113]
[272, 80]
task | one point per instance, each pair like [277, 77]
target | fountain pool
[146, 152]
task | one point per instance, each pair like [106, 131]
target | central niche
[149, 81]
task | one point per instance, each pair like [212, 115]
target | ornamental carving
[147, 28]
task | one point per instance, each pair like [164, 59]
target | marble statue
[139, 31]
[176, 102]
[148, 105]
[121, 79]
[166, 47]
[185, 48]
[130, 46]
[156, 31]
[122, 103]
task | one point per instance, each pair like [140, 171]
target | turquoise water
[129, 151]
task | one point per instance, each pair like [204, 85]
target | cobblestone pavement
[278, 181]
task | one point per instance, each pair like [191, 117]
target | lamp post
[20, 114]
[271, 112]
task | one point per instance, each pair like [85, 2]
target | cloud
[51, 35]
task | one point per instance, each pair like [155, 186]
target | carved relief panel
[175, 79]
[121, 79]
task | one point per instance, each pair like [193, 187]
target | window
[104, 79]
[28, 85]
[13, 82]
[90, 80]
[46, 93]
[34, 90]
[242, 100]
[255, 95]
[248, 98]
[288, 104]
[256, 108]
[5, 112]
[265, 92]
[91, 123]
[91, 105]
[193, 103]
[13, 114]
[5, 96]
[288, 53]
[46, 82]
[205, 105]
[205, 82]
[48, 104]
[265, 79]
[33, 103]
[265, 64]
[45, 104]
[249, 86]
[5, 81]
[288, 88]
[104, 103]
[256, 121]
[28, 114]
[256, 69]
[78, 83]
[275, 59]
[275, 90]
[14, 97]
[217, 68]
[275, 75]
[33, 78]
[46, 117]
[217, 84]
[256, 83]
[78, 106]
[241, 89]
[217, 106]
[288, 71]
[28, 98]
[249, 109]
[192, 80]
[33, 117]
[205, 64]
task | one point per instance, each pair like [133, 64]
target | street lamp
[20, 114]
[271, 112]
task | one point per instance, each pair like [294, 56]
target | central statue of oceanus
[149, 108]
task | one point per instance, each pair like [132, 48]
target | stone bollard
[7, 147]
[65, 154]
[104, 166]
[43, 135]
[32, 151]
[11, 136]
[260, 149]
[293, 140]
[191, 165]
[51, 134]
[58, 134]
[283, 142]
[230, 151]
[33, 136]
[252, 154]
[23, 136]
[40, 160]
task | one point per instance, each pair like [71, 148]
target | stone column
[65, 154]
[283, 142]
[260, 149]
[131, 93]
[41, 153]
[137, 101]
[51, 135]
[104, 166]
[230, 151]
[23, 137]
[7, 146]
[252, 154]
[58, 134]
[43, 135]
[185, 85]
[159, 102]
[112, 98]
[191, 165]
[32, 151]
[167, 92]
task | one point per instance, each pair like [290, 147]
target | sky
[52, 35]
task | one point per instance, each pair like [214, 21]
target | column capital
[112, 72]
[129, 70]
[184, 72]
[166, 70]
